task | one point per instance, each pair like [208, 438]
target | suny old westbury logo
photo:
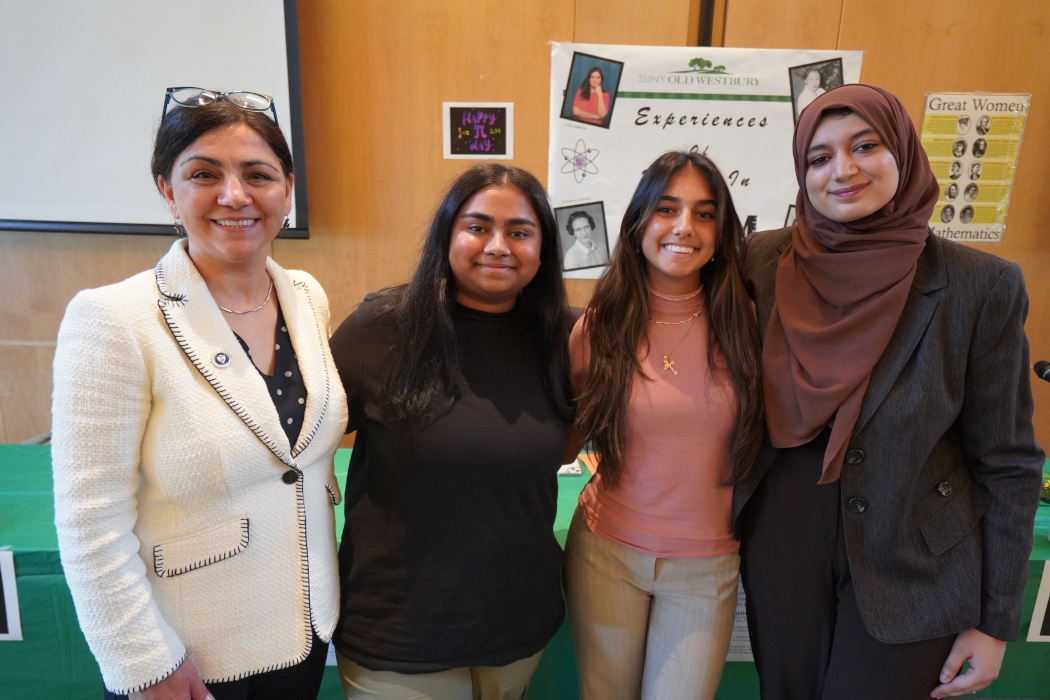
[700, 72]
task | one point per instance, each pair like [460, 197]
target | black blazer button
[290, 477]
[854, 457]
[944, 488]
[857, 505]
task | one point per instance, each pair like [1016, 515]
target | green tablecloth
[53, 661]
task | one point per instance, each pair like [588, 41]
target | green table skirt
[54, 662]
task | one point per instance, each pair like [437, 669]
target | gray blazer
[942, 477]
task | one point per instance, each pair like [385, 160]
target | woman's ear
[168, 193]
[288, 195]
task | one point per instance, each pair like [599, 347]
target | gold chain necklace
[268, 293]
[668, 362]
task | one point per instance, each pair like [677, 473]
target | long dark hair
[585, 89]
[618, 319]
[184, 125]
[426, 351]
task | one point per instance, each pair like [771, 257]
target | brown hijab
[841, 287]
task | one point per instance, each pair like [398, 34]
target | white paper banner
[614, 109]
[10, 621]
[740, 640]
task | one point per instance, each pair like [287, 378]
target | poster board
[737, 106]
[973, 140]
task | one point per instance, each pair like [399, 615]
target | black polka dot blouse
[286, 386]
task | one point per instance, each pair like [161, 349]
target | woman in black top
[458, 389]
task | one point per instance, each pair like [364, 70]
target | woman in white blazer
[196, 413]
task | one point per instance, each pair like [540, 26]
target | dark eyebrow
[217, 164]
[210, 161]
[676, 200]
[253, 163]
[520, 222]
[862, 132]
[488, 219]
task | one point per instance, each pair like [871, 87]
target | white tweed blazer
[178, 531]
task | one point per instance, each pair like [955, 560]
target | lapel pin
[221, 359]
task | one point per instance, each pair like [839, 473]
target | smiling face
[595, 78]
[581, 229]
[851, 173]
[494, 250]
[231, 194]
[813, 80]
[681, 235]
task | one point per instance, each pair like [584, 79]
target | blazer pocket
[954, 521]
[332, 487]
[199, 550]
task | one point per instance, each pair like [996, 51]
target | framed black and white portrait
[810, 81]
[582, 230]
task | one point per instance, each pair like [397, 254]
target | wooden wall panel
[785, 24]
[652, 23]
[374, 76]
[917, 46]
[25, 390]
[39, 274]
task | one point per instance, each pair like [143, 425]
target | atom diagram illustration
[580, 161]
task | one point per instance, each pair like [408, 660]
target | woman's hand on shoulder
[184, 684]
[985, 655]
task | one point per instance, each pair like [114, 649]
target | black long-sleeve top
[448, 557]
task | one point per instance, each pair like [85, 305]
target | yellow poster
[972, 140]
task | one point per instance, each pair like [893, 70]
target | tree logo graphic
[702, 65]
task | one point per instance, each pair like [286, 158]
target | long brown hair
[618, 318]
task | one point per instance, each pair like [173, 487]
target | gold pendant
[669, 364]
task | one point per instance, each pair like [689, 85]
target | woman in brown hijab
[886, 532]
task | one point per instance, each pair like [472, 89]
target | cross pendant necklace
[668, 362]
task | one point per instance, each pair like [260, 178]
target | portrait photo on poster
[810, 81]
[10, 621]
[590, 94]
[583, 235]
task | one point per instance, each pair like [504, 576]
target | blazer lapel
[310, 342]
[918, 310]
[209, 343]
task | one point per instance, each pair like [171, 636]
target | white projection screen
[82, 87]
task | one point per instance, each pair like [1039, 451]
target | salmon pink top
[670, 501]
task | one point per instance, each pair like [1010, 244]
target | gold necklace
[668, 362]
[268, 292]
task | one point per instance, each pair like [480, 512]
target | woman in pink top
[591, 104]
[665, 364]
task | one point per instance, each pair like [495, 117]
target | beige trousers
[508, 682]
[647, 627]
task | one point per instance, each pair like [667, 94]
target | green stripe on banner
[700, 96]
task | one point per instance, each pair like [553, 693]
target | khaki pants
[647, 627]
[477, 683]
